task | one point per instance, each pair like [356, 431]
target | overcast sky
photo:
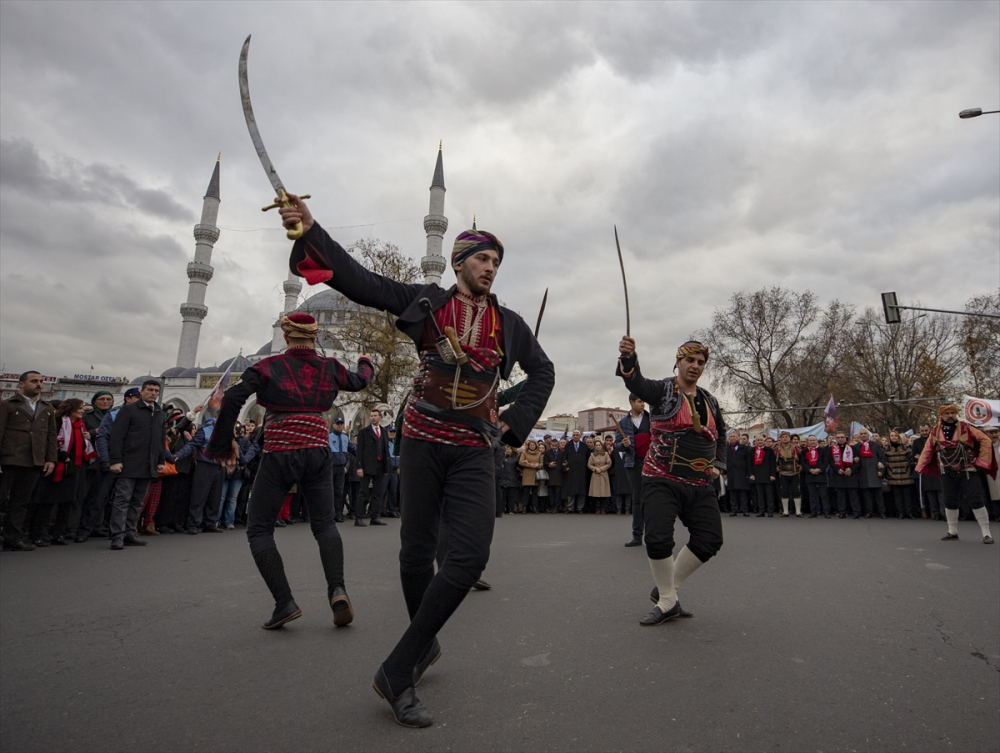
[736, 145]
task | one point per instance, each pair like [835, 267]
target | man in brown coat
[27, 452]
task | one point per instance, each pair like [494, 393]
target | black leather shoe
[340, 603]
[287, 613]
[654, 596]
[987, 539]
[214, 529]
[377, 522]
[760, 515]
[359, 522]
[636, 541]
[60, 541]
[950, 537]
[40, 542]
[339, 519]
[18, 546]
[428, 659]
[117, 545]
[279, 523]
[80, 538]
[746, 515]
[191, 531]
[732, 515]
[481, 585]
[658, 617]
[406, 707]
[827, 517]
[133, 541]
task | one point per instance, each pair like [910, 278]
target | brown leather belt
[438, 385]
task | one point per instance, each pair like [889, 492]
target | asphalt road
[808, 635]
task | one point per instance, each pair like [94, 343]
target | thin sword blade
[265, 161]
[621, 262]
[541, 311]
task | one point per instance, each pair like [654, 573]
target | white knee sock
[981, 517]
[798, 505]
[784, 505]
[663, 574]
[952, 516]
[684, 564]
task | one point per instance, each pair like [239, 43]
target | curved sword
[621, 262]
[541, 311]
[265, 161]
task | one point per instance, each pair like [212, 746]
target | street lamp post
[975, 112]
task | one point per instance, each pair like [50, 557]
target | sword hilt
[283, 201]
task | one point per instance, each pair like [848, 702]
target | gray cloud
[736, 145]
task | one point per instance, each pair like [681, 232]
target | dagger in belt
[272, 174]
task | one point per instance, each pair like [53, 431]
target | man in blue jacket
[206, 485]
[340, 447]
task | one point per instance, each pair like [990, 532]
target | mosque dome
[328, 306]
[238, 364]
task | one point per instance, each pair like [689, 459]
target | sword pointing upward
[272, 174]
[621, 262]
[541, 311]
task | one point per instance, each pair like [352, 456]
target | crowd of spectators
[70, 471]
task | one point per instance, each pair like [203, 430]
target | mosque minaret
[435, 225]
[199, 272]
[292, 287]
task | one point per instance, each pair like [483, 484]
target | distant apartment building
[599, 419]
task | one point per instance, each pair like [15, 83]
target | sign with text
[208, 381]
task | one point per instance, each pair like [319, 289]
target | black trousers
[961, 486]
[764, 494]
[391, 483]
[442, 487]
[788, 487]
[555, 498]
[819, 499]
[339, 479]
[635, 484]
[95, 504]
[845, 496]
[902, 496]
[739, 500]
[206, 495]
[370, 499]
[279, 472]
[872, 499]
[663, 501]
[71, 490]
[175, 498]
[17, 485]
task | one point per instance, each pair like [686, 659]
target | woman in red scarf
[66, 487]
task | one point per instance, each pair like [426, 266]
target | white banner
[816, 430]
[981, 412]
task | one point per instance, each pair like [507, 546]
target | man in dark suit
[373, 464]
[137, 452]
[575, 478]
[27, 452]
[552, 461]
[869, 469]
[738, 474]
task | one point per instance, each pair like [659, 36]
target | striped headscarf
[469, 242]
[690, 348]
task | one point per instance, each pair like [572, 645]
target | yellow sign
[208, 381]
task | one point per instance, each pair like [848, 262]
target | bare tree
[917, 358]
[371, 331]
[757, 343]
[979, 341]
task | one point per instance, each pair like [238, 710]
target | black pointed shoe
[950, 537]
[481, 585]
[636, 541]
[287, 613]
[407, 709]
[340, 603]
[430, 657]
[658, 617]
[654, 596]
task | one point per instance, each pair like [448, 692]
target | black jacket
[317, 250]
[373, 453]
[575, 478]
[555, 471]
[762, 473]
[138, 440]
[822, 463]
[738, 466]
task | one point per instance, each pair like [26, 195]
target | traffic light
[891, 308]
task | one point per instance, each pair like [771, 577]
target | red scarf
[866, 450]
[812, 455]
[844, 460]
[758, 455]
